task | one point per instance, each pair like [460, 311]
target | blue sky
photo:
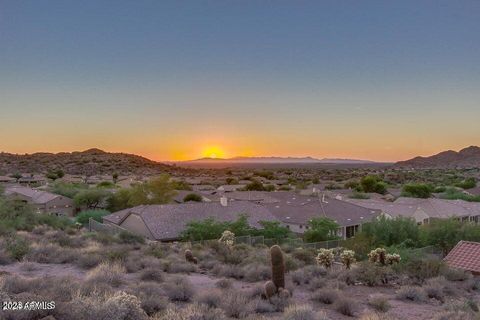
[382, 80]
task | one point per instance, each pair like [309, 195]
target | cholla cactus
[228, 238]
[393, 258]
[378, 256]
[348, 258]
[325, 257]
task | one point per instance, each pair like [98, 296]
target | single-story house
[42, 201]
[296, 211]
[424, 210]
[466, 256]
[166, 222]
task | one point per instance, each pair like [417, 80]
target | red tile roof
[465, 255]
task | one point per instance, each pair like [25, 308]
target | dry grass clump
[190, 312]
[409, 293]
[224, 284]
[151, 274]
[211, 298]
[120, 306]
[51, 254]
[17, 284]
[151, 297]
[178, 289]
[4, 258]
[88, 260]
[376, 316]
[452, 274]
[107, 272]
[229, 271]
[257, 272]
[28, 266]
[236, 304]
[173, 264]
[345, 306]
[326, 296]
[379, 303]
[302, 312]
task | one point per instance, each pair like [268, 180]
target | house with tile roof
[166, 222]
[295, 211]
[424, 210]
[466, 256]
[42, 201]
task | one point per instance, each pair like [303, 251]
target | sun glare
[213, 152]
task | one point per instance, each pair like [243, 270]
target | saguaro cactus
[278, 267]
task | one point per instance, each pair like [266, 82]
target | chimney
[224, 201]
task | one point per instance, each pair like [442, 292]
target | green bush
[17, 247]
[192, 197]
[96, 215]
[130, 238]
[418, 190]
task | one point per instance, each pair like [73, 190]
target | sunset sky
[176, 80]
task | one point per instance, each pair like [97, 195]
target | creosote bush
[178, 289]
[410, 293]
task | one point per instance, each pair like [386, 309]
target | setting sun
[213, 152]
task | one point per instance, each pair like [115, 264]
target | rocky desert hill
[89, 162]
[465, 158]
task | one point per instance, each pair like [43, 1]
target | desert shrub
[345, 306]
[122, 306]
[301, 312]
[224, 284]
[88, 260]
[108, 273]
[28, 266]
[262, 306]
[326, 296]
[178, 289]
[453, 274]
[130, 238]
[179, 266]
[229, 271]
[16, 284]
[236, 304]
[409, 293]
[379, 303]
[280, 302]
[305, 255]
[255, 272]
[369, 274]
[421, 269]
[211, 298]
[434, 291]
[472, 284]
[157, 250]
[17, 247]
[299, 277]
[151, 274]
[116, 254]
[317, 283]
[4, 258]
[151, 297]
[192, 311]
[51, 254]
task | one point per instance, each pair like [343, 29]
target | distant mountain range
[273, 160]
[465, 158]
